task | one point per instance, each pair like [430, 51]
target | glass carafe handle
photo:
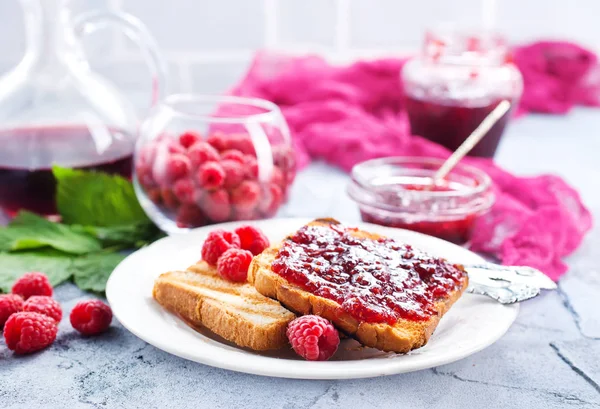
[88, 22]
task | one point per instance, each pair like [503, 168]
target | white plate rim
[301, 369]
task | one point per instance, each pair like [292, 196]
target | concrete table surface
[550, 358]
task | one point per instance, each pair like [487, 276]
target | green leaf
[125, 236]
[29, 231]
[55, 264]
[91, 272]
[96, 199]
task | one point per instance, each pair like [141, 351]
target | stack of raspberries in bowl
[188, 180]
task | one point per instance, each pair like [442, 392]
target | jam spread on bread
[374, 280]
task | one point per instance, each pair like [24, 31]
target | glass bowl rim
[360, 190]
[271, 113]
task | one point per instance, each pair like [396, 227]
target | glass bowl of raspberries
[209, 159]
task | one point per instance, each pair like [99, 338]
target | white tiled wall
[208, 43]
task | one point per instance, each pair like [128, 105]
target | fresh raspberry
[175, 148]
[245, 215]
[251, 166]
[44, 305]
[277, 177]
[313, 337]
[211, 175]
[202, 152]
[252, 239]
[189, 215]
[183, 190]
[233, 154]
[233, 265]
[9, 304]
[91, 317]
[27, 332]
[33, 283]
[216, 205]
[242, 143]
[147, 154]
[234, 173]
[218, 242]
[189, 138]
[178, 166]
[272, 200]
[169, 199]
[217, 140]
[145, 176]
[154, 195]
[246, 195]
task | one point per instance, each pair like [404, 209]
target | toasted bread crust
[402, 337]
[182, 299]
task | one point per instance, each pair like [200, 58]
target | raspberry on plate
[91, 317]
[233, 264]
[9, 304]
[218, 242]
[27, 332]
[252, 239]
[313, 337]
[44, 305]
[33, 283]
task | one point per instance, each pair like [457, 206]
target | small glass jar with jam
[459, 78]
[399, 192]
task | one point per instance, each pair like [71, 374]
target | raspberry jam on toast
[375, 280]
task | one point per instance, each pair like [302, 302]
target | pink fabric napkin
[345, 115]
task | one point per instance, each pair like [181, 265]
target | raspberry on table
[91, 317]
[234, 173]
[233, 154]
[252, 239]
[313, 337]
[34, 283]
[189, 138]
[45, 305]
[201, 152]
[233, 264]
[9, 304]
[215, 205]
[218, 242]
[246, 196]
[178, 166]
[211, 175]
[27, 332]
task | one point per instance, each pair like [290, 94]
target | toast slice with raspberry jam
[385, 294]
[235, 311]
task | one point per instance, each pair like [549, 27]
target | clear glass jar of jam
[459, 78]
[399, 192]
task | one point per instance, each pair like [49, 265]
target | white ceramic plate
[472, 324]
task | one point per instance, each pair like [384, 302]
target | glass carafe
[54, 110]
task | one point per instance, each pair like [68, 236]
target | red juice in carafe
[449, 124]
[27, 155]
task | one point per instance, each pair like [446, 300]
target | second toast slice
[235, 311]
